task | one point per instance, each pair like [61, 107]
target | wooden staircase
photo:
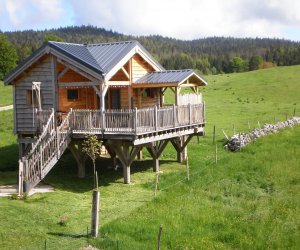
[45, 152]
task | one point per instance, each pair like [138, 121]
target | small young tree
[91, 146]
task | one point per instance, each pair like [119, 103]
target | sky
[182, 19]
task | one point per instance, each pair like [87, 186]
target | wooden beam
[173, 89]
[54, 83]
[79, 71]
[118, 83]
[126, 73]
[77, 84]
[62, 73]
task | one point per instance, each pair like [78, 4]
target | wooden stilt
[80, 158]
[155, 149]
[125, 156]
[140, 155]
[180, 144]
[155, 165]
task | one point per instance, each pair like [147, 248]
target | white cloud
[31, 14]
[184, 19]
[188, 19]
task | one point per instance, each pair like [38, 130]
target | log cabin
[64, 91]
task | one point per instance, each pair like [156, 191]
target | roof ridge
[54, 42]
[111, 43]
[172, 70]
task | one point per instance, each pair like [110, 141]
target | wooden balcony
[138, 124]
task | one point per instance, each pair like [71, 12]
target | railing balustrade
[136, 121]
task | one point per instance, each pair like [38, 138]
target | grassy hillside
[5, 95]
[249, 199]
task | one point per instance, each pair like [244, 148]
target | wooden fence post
[214, 135]
[187, 168]
[95, 213]
[233, 129]
[159, 237]
[294, 112]
[216, 153]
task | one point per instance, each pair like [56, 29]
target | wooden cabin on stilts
[64, 91]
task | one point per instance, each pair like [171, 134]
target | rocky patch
[238, 141]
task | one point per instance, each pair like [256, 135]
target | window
[32, 99]
[72, 94]
[149, 93]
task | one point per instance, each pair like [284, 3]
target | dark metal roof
[169, 76]
[100, 58]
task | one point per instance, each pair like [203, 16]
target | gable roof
[103, 59]
[170, 76]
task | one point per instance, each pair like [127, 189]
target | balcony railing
[136, 121]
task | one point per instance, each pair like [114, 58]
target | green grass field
[5, 95]
[249, 200]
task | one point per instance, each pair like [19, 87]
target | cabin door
[112, 99]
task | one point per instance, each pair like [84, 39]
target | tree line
[211, 55]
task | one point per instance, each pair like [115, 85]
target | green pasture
[248, 200]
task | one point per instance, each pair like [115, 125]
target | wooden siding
[86, 99]
[40, 72]
[70, 75]
[139, 67]
[146, 101]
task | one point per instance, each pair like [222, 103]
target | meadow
[248, 200]
[6, 95]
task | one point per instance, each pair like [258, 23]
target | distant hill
[208, 55]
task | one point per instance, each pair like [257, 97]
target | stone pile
[238, 141]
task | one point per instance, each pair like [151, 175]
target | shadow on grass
[9, 158]
[64, 175]
[74, 236]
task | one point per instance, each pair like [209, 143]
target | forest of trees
[208, 55]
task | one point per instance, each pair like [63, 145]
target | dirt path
[6, 107]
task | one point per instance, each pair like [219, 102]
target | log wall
[42, 72]
[86, 99]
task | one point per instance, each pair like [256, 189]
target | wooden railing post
[135, 120]
[174, 115]
[71, 119]
[103, 120]
[41, 159]
[203, 112]
[190, 114]
[20, 177]
[155, 118]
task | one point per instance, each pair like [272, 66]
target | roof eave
[197, 75]
[139, 49]
[50, 49]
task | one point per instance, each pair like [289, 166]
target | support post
[126, 165]
[155, 164]
[21, 171]
[140, 154]
[95, 213]
[80, 158]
